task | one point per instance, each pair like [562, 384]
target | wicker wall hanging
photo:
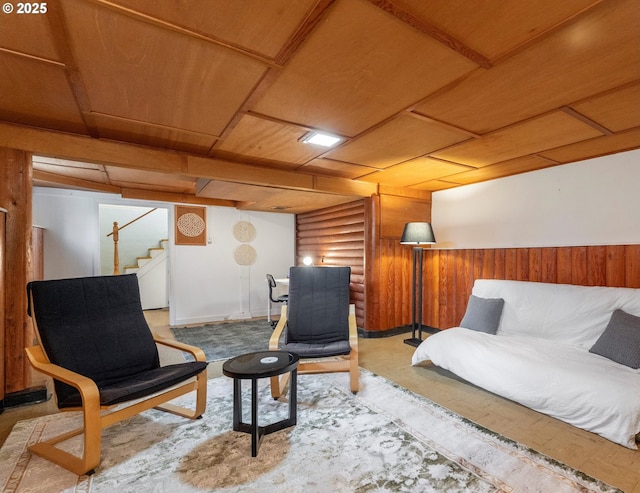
[191, 225]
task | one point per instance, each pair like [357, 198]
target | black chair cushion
[137, 386]
[318, 306]
[317, 350]
[94, 326]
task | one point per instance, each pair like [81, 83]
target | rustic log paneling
[449, 274]
[335, 237]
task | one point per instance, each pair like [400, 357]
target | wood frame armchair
[323, 331]
[113, 387]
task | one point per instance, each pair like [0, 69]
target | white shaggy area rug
[385, 438]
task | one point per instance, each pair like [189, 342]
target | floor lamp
[417, 234]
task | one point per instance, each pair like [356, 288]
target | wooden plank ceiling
[427, 95]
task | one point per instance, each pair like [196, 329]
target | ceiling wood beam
[61, 40]
[305, 29]
[219, 169]
[79, 148]
[181, 198]
[432, 31]
[579, 116]
[74, 182]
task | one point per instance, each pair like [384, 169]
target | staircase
[153, 252]
[152, 277]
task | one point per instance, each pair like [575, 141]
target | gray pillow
[620, 341]
[483, 314]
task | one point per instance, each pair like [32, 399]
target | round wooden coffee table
[253, 366]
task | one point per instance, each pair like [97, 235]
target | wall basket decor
[244, 231]
[191, 225]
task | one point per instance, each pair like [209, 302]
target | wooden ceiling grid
[207, 101]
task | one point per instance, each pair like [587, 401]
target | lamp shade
[417, 234]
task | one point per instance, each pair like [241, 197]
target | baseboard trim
[32, 395]
[403, 329]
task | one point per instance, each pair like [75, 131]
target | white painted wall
[593, 202]
[206, 284]
[71, 232]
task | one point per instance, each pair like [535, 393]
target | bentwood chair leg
[354, 374]
[275, 387]
[278, 385]
[92, 442]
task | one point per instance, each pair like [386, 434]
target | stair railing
[115, 233]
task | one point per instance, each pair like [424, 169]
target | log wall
[335, 237]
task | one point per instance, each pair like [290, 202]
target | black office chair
[280, 299]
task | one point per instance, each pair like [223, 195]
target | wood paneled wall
[388, 285]
[449, 274]
[335, 237]
[350, 235]
[388, 263]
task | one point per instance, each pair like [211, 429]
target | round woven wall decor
[244, 231]
[245, 255]
[190, 225]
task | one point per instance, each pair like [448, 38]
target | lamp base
[413, 341]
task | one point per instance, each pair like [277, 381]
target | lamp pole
[417, 299]
[417, 234]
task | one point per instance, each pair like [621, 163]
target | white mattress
[563, 381]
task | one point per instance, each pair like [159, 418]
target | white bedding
[563, 381]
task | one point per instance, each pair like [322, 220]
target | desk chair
[280, 299]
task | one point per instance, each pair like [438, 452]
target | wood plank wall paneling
[449, 274]
[388, 263]
[334, 236]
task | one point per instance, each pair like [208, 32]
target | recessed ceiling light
[321, 139]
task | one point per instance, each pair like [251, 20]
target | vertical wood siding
[449, 274]
[335, 237]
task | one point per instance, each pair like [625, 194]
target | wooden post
[3, 290]
[116, 257]
[15, 197]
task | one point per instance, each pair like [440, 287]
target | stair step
[155, 251]
[143, 260]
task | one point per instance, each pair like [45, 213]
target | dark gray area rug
[225, 340]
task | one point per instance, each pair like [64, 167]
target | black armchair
[319, 324]
[96, 345]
